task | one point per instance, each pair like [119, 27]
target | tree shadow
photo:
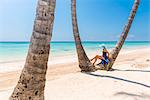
[117, 78]
[141, 95]
[131, 70]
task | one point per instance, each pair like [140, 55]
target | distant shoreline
[69, 41]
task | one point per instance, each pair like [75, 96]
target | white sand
[105, 86]
[129, 81]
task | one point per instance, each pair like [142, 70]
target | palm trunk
[116, 50]
[84, 62]
[33, 77]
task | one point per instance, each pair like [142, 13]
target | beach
[47, 49]
[130, 79]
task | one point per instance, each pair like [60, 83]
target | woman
[104, 57]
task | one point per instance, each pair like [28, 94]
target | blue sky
[98, 20]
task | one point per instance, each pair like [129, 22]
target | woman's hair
[103, 47]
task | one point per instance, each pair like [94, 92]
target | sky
[98, 20]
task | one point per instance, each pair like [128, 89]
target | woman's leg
[94, 58]
[97, 57]
[95, 61]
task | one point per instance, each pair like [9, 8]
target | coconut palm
[84, 62]
[32, 80]
[116, 50]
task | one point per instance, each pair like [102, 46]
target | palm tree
[84, 62]
[116, 50]
[32, 80]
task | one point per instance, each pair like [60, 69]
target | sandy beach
[130, 79]
[47, 48]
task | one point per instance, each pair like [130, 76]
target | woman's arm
[108, 54]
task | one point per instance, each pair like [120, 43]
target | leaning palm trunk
[32, 80]
[116, 50]
[84, 62]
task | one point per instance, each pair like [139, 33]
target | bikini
[106, 61]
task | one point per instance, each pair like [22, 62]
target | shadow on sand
[135, 96]
[117, 78]
[131, 70]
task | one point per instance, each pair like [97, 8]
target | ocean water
[17, 51]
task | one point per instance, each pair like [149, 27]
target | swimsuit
[106, 61]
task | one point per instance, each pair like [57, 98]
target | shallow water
[17, 51]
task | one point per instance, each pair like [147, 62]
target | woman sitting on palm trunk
[104, 57]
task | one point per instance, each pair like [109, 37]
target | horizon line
[88, 41]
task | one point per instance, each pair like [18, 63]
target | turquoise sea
[16, 51]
